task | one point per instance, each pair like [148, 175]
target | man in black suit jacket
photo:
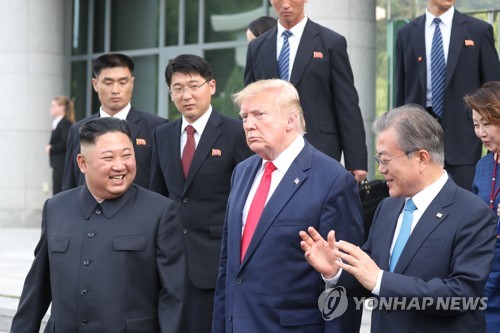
[471, 61]
[201, 193]
[113, 81]
[110, 257]
[322, 74]
[446, 258]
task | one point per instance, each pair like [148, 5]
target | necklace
[494, 193]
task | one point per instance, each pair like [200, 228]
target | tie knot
[287, 33]
[190, 130]
[410, 206]
[437, 20]
[270, 167]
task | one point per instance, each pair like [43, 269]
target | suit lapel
[210, 134]
[134, 121]
[307, 46]
[457, 38]
[432, 217]
[418, 39]
[172, 144]
[291, 182]
[268, 50]
[391, 215]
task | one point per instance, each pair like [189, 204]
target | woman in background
[62, 112]
[485, 105]
[260, 25]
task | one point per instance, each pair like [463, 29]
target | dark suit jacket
[326, 89]
[113, 267]
[58, 140]
[141, 124]
[448, 254]
[202, 198]
[468, 67]
[274, 289]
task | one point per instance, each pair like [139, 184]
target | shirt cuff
[333, 281]
[376, 290]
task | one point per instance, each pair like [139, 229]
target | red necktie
[188, 152]
[256, 208]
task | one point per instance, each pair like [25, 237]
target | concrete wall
[31, 74]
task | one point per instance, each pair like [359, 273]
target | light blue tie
[438, 70]
[404, 233]
[284, 58]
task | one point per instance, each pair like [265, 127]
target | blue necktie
[404, 233]
[284, 58]
[438, 70]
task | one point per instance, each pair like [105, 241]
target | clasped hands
[329, 256]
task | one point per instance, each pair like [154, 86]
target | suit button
[83, 292]
[239, 281]
[185, 200]
[185, 231]
[86, 262]
[91, 234]
[84, 322]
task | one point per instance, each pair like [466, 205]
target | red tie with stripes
[256, 208]
[188, 152]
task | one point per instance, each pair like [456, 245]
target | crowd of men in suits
[217, 247]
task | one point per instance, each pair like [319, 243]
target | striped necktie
[284, 58]
[438, 71]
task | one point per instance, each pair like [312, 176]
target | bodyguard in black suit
[113, 81]
[322, 74]
[201, 193]
[61, 109]
[471, 61]
[110, 257]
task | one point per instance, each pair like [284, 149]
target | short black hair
[112, 60]
[189, 64]
[92, 129]
[261, 25]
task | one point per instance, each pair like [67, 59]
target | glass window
[99, 17]
[229, 77]
[172, 22]
[79, 28]
[145, 95]
[134, 24]
[78, 87]
[226, 20]
[192, 21]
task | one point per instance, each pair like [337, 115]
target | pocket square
[317, 55]
[469, 42]
[216, 152]
[140, 142]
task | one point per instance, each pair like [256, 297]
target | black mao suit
[141, 124]
[201, 198]
[323, 77]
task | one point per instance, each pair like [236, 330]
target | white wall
[31, 74]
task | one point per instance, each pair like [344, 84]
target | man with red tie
[264, 283]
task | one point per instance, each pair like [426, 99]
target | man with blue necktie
[442, 56]
[430, 242]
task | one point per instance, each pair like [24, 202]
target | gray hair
[286, 98]
[416, 130]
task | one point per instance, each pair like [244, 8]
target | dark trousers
[200, 309]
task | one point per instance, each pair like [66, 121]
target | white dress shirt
[199, 126]
[120, 115]
[293, 41]
[430, 27]
[282, 164]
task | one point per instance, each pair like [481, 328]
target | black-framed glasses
[178, 91]
[385, 162]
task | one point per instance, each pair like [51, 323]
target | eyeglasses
[385, 162]
[178, 91]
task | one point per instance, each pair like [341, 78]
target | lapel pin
[317, 55]
[216, 152]
[140, 142]
[439, 215]
[469, 42]
[296, 181]
[419, 59]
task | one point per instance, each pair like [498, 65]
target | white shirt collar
[199, 124]
[446, 18]
[56, 121]
[283, 161]
[120, 115]
[424, 198]
[297, 30]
